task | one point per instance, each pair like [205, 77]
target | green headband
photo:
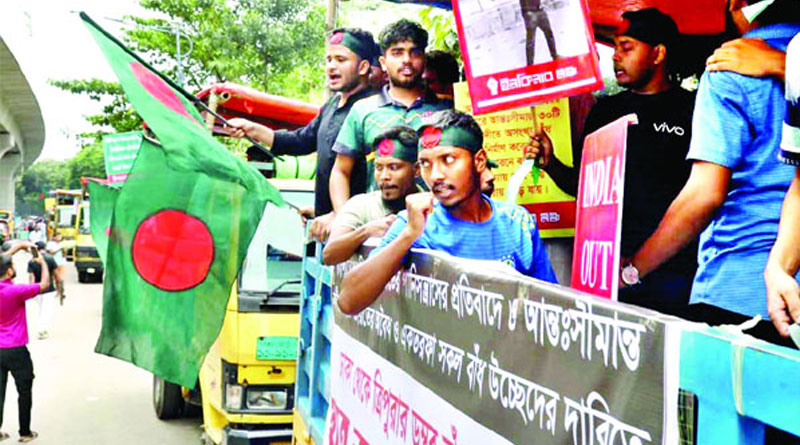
[394, 148]
[433, 137]
[365, 50]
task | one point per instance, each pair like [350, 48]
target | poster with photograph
[524, 52]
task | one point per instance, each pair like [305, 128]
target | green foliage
[47, 174]
[441, 26]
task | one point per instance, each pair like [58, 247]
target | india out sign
[598, 225]
[465, 352]
[121, 150]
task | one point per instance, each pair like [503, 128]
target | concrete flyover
[21, 125]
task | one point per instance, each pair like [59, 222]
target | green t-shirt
[371, 116]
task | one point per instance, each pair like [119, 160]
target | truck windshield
[65, 216]
[273, 266]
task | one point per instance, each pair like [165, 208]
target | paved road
[80, 397]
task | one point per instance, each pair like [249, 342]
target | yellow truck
[65, 214]
[6, 224]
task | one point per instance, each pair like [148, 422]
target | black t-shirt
[318, 136]
[656, 168]
[36, 270]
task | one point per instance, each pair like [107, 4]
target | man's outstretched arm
[687, 216]
[362, 285]
[344, 240]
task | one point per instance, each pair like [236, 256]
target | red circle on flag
[386, 147]
[336, 38]
[160, 90]
[172, 250]
[431, 137]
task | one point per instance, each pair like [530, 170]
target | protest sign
[505, 134]
[523, 52]
[121, 150]
[463, 351]
[596, 255]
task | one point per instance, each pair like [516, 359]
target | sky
[50, 42]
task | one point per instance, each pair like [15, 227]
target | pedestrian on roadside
[14, 355]
[45, 300]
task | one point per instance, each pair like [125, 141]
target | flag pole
[189, 96]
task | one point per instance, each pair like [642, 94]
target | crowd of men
[704, 182]
[703, 187]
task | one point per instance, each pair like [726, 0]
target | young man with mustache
[370, 214]
[405, 101]
[656, 166]
[348, 59]
[455, 217]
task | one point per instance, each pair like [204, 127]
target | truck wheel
[168, 401]
[97, 277]
[83, 277]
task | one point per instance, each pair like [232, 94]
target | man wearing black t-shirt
[656, 165]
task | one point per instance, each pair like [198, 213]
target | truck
[245, 388]
[64, 217]
[87, 260]
[6, 223]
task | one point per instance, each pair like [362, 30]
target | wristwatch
[630, 275]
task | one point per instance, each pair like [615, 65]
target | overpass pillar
[10, 163]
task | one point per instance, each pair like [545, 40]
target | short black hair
[406, 135]
[401, 31]
[457, 119]
[5, 264]
[364, 36]
[444, 64]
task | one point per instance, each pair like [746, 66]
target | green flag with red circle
[179, 231]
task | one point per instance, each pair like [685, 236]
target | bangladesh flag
[178, 233]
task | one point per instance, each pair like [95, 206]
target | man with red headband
[348, 59]
[370, 214]
[456, 218]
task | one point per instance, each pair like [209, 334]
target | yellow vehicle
[247, 378]
[86, 258]
[65, 216]
[6, 224]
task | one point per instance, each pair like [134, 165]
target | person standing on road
[14, 355]
[46, 300]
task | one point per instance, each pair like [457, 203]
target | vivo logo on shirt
[665, 128]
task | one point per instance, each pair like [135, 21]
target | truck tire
[168, 401]
[83, 277]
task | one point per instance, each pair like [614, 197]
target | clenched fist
[419, 206]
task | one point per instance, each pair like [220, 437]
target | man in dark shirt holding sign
[656, 166]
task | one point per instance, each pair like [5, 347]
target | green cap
[432, 137]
